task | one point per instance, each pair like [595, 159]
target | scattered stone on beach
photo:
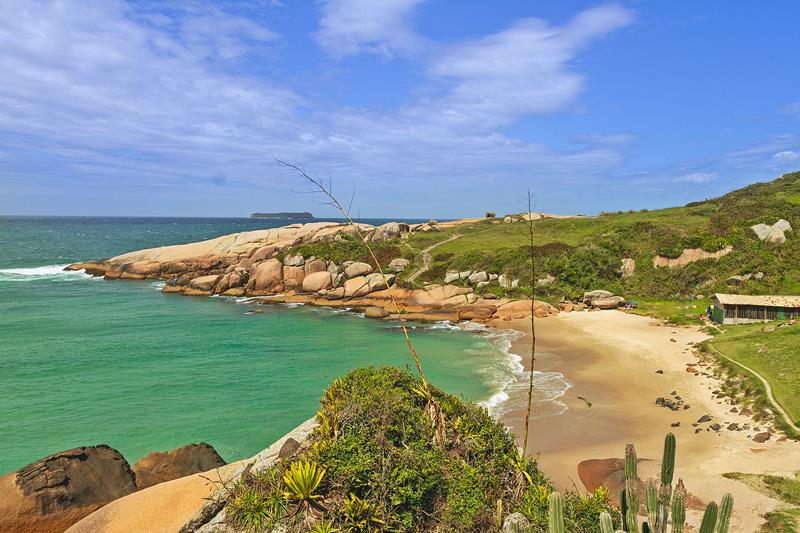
[746, 412]
[703, 419]
[659, 371]
[691, 370]
[675, 424]
[734, 427]
[761, 437]
[158, 467]
[673, 340]
[51, 494]
[715, 427]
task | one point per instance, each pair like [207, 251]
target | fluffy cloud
[113, 97]
[521, 70]
[350, 27]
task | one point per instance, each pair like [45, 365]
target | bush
[383, 471]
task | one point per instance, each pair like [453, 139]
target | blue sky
[426, 108]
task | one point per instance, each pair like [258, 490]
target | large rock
[590, 296]
[776, 233]
[293, 276]
[316, 265]
[354, 270]
[477, 277]
[628, 267]
[204, 283]
[317, 281]
[377, 282]
[294, 260]
[158, 467]
[476, 311]
[144, 268]
[451, 275]
[355, 287]
[612, 302]
[389, 230]
[266, 276]
[53, 493]
[738, 280]
[398, 265]
[522, 308]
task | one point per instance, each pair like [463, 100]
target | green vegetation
[678, 312]
[374, 463]
[585, 253]
[773, 354]
[780, 488]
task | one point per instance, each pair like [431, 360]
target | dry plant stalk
[332, 201]
[533, 327]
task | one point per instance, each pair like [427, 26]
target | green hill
[584, 253]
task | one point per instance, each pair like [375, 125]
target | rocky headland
[260, 264]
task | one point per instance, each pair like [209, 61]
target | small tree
[490, 214]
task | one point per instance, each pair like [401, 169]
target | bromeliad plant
[301, 481]
[659, 502]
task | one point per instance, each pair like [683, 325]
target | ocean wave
[509, 380]
[40, 272]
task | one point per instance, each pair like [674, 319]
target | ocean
[87, 361]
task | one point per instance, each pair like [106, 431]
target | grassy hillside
[585, 253]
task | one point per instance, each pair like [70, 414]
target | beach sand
[611, 359]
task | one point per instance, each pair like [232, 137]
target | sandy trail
[611, 359]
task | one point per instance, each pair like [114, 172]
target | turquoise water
[88, 361]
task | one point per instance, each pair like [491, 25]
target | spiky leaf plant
[302, 479]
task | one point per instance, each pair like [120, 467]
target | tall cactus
[679, 508]
[668, 461]
[659, 522]
[606, 525]
[651, 500]
[555, 513]
[709, 519]
[631, 494]
[725, 510]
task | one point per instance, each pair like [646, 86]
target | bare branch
[533, 326]
[346, 212]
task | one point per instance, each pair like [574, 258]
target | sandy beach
[611, 359]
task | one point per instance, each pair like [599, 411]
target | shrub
[382, 471]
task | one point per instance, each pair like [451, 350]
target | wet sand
[611, 359]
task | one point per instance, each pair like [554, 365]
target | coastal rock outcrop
[158, 467]
[57, 491]
[390, 230]
[266, 276]
[356, 269]
[775, 233]
[317, 281]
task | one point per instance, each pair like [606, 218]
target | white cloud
[786, 155]
[521, 70]
[349, 27]
[114, 98]
[697, 177]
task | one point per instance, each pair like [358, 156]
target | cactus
[725, 509]
[631, 495]
[679, 508]
[652, 502]
[709, 519]
[668, 461]
[606, 525]
[555, 513]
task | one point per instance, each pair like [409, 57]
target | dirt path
[770, 397]
[426, 257]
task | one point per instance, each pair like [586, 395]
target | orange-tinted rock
[266, 277]
[158, 467]
[53, 493]
[293, 276]
[358, 286]
[316, 281]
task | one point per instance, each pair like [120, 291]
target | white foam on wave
[40, 272]
[509, 380]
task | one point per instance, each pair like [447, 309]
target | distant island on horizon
[284, 216]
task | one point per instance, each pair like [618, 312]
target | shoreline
[612, 358]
